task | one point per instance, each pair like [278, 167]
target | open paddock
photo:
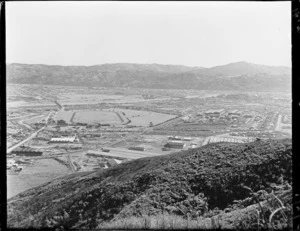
[78, 98]
[143, 118]
[93, 117]
[41, 171]
[35, 119]
[64, 115]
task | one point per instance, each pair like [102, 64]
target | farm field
[98, 98]
[143, 118]
[64, 115]
[91, 117]
[40, 172]
[35, 119]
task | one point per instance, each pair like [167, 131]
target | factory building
[26, 151]
[187, 138]
[234, 113]
[112, 162]
[215, 112]
[137, 148]
[63, 139]
[248, 116]
[174, 138]
[175, 144]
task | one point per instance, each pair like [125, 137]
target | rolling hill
[234, 76]
[227, 181]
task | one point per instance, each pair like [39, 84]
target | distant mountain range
[233, 76]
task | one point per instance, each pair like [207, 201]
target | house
[234, 113]
[111, 162]
[174, 138]
[175, 144]
[137, 148]
[214, 112]
[26, 151]
[187, 138]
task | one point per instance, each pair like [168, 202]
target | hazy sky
[188, 33]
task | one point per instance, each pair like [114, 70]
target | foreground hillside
[234, 76]
[216, 184]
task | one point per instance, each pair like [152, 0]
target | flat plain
[91, 117]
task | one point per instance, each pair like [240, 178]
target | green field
[40, 172]
[92, 117]
[143, 118]
[64, 115]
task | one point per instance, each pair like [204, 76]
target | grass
[95, 117]
[161, 221]
[143, 118]
[271, 213]
[34, 175]
[191, 181]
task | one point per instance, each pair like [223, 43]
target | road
[71, 163]
[145, 130]
[24, 141]
[123, 153]
[21, 122]
[205, 142]
[168, 123]
[28, 138]
[25, 125]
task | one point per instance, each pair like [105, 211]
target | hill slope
[242, 68]
[198, 182]
[235, 76]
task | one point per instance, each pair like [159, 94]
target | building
[175, 144]
[187, 138]
[63, 139]
[234, 113]
[165, 149]
[215, 112]
[26, 151]
[137, 148]
[112, 162]
[248, 116]
[10, 163]
[174, 138]
[186, 118]
[102, 165]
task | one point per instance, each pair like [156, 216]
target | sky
[202, 34]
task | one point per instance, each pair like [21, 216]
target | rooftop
[26, 149]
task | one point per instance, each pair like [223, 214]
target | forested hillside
[218, 180]
[234, 76]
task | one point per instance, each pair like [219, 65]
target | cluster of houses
[12, 165]
[222, 114]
